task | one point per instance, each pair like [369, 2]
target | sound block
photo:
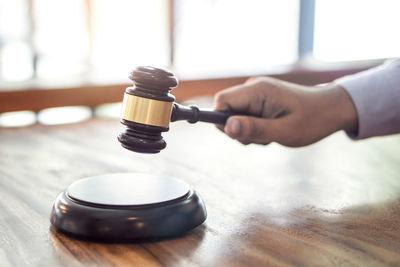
[127, 206]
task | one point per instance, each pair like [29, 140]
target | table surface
[333, 203]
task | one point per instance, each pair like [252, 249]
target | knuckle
[254, 79]
[264, 80]
[265, 86]
[219, 99]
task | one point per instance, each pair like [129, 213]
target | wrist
[341, 108]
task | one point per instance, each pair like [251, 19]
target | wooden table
[332, 203]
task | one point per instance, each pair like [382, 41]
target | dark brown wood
[193, 114]
[152, 83]
[149, 83]
[37, 98]
[125, 207]
[335, 203]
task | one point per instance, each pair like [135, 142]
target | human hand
[289, 114]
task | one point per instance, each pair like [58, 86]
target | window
[65, 40]
[70, 39]
[15, 53]
[356, 30]
[95, 41]
[228, 36]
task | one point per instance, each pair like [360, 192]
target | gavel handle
[193, 114]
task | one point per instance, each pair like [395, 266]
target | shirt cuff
[376, 96]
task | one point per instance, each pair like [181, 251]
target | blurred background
[78, 53]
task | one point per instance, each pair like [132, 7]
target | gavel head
[147, 109]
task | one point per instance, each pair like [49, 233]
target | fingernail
[233, 127]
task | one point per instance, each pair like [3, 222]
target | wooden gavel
[149, 107]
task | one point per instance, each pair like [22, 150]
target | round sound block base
[127, 206]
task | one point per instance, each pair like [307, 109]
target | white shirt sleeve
[376, 97]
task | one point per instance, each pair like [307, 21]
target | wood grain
[329, 204]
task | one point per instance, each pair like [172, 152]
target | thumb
[249, 129]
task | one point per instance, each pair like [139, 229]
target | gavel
[148, 108]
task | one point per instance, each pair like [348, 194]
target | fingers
[247, 129]
[271, 110]
[234, 98]
[261, 97]
[248, 97]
